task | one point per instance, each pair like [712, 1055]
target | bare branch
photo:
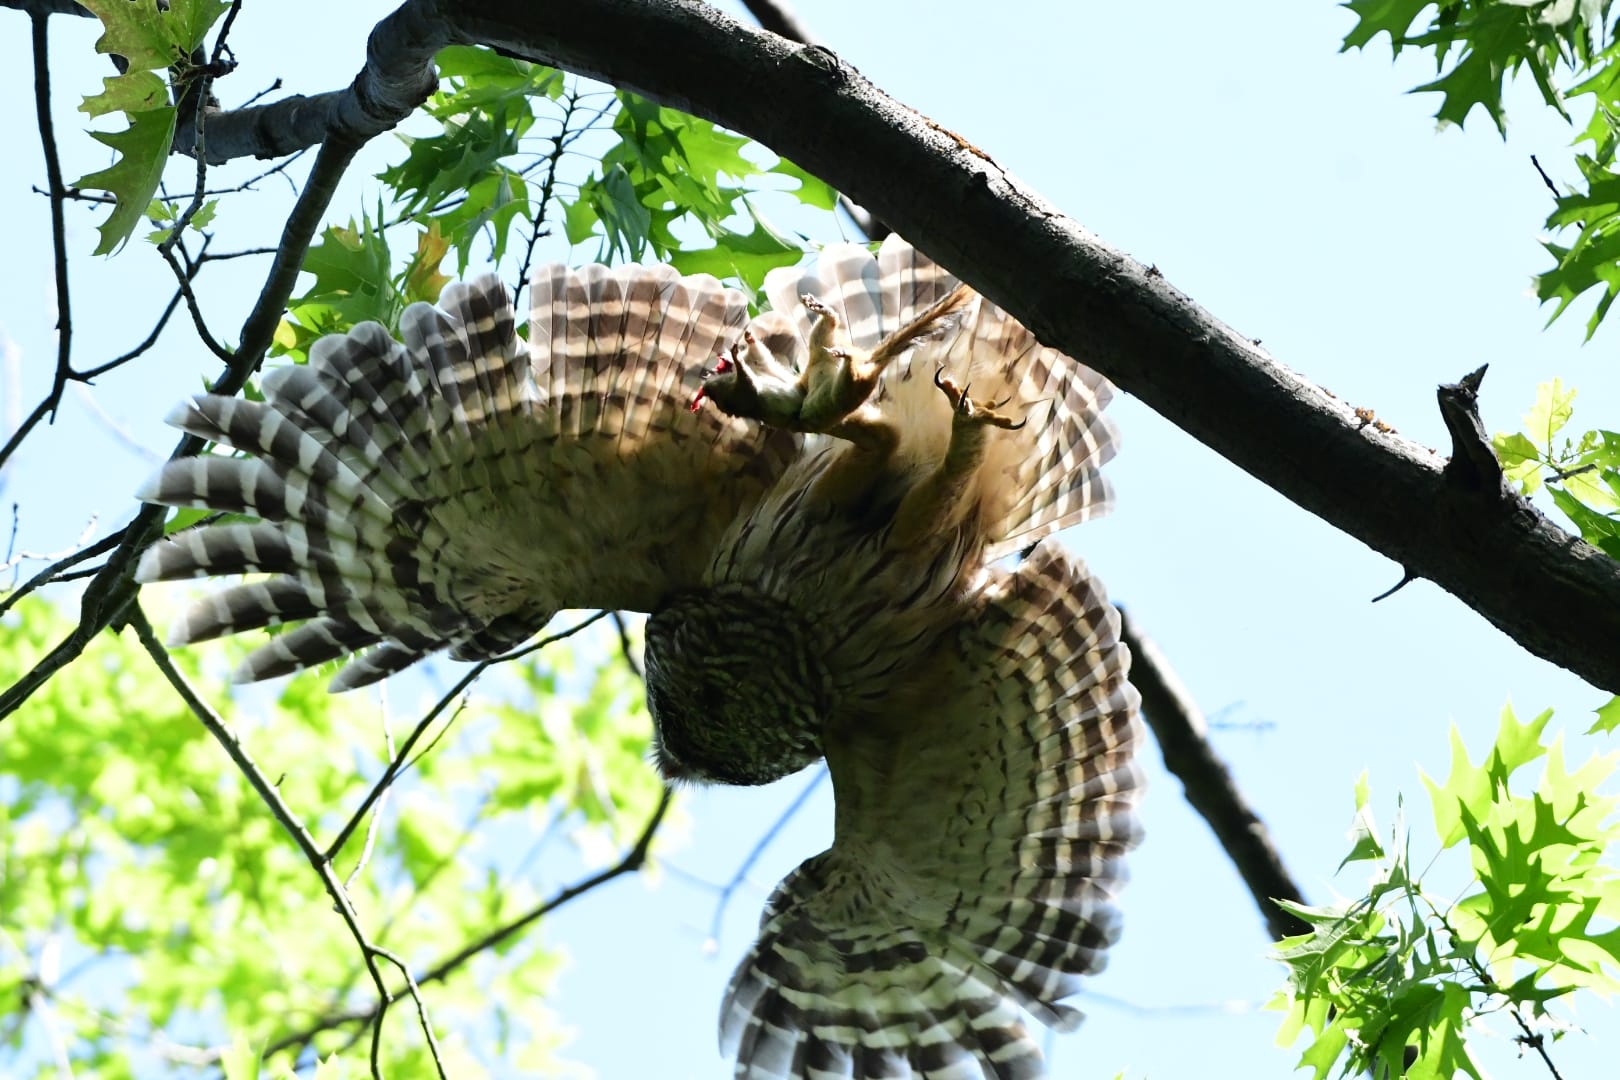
[740, 875]
[633, 860]
[53, 173]
[49, 7]
[398, 76]
[294, 827]
[403, 759]
[112, 590]
[1179, 727]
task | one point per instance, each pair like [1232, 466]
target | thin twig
[1527, 1037]
[146, 343]
[1545, 179]
[53, 572]
[183, 277]
[382, 804]
[633, 860]
[111, 592]
[547, 187]
[624, 645]
[53, 174]
[291, 824]
[754, 853]
[402, 760]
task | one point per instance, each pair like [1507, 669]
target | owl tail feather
[977, 882]
[1041, 478]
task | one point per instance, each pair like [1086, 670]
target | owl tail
[344, 450]
[976, 881]
[1041, 478]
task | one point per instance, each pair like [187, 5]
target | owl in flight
[834, 514]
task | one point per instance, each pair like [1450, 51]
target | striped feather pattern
[981, 824]
[1041, 478]
[454, 489]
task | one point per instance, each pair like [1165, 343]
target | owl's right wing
[982, 820]
[456, 490]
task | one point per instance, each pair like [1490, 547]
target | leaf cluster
[504, 162]
[148, 39]
[1581, 473]
[156, 912]
[1569, 50]
[672, 178]
[1395, 982]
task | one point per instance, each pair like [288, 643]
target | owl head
[737, 696]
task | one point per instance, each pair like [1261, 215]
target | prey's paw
[965, 410]
[814, 306]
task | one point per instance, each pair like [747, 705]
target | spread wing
[980, 828]
[458, 489]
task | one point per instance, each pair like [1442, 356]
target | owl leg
[936, 502]
[852, 474]
[837, 380]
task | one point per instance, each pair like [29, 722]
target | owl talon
[968, 411]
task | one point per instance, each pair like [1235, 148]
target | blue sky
[1297, 193]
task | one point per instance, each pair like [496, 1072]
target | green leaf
[1374, 17]
[625, 222]
[135, 30]
[133, 179]
[423, 281]
[150, 39]
[1608, 717]
[1521, 460]
[189, 21]
[1552, 410]
[138, 91]
[746, 256]
[240, 1061]
[579, 220]
[812, 190]
[1366, 845]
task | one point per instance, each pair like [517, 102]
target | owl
[837, 515]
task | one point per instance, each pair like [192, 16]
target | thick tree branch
[1182, 734]
[1556, 595]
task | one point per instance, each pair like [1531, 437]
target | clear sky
[1298, 194]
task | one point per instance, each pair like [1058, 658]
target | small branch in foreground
[1179, 727]
[633, 860]
[294, 827]
[740, 875]
[111, 592]
[53, 571]
[403, 759]
[53, 174]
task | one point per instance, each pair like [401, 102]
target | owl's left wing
[981, 825]
[456, 488]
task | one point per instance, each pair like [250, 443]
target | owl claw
[967, 411]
